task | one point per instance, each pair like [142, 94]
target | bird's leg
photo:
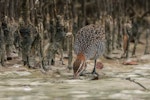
[94, 69]
[28, 62]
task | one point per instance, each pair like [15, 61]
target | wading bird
[89, 44]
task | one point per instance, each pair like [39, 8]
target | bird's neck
[81, 57]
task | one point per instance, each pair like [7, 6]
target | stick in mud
[132, 80]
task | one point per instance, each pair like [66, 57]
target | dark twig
[132, 80]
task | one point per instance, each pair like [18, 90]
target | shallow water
[26, 85]
[45, 89]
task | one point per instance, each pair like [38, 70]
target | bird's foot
[95, 73]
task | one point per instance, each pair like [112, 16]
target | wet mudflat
[20, 83]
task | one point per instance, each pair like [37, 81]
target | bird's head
[79, 65]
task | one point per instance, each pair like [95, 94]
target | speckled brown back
[90, 40]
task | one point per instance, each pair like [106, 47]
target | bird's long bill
[80, 69]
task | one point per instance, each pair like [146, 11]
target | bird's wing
[95, 50]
